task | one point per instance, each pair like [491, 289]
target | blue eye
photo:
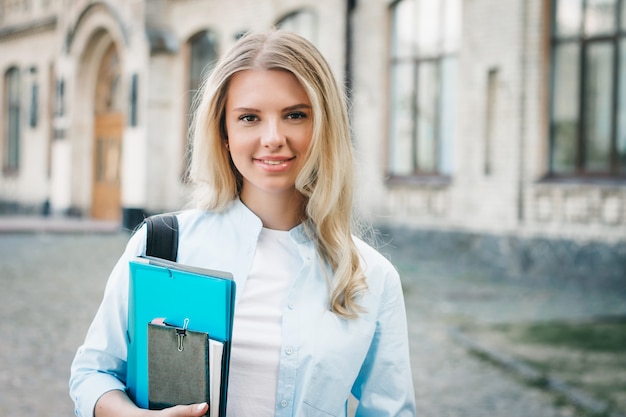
[248, 118]
[296, 115]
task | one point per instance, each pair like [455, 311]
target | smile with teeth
[275, 162]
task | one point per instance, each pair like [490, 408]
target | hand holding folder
[205, 298]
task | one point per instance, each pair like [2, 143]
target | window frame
[192, 84]
[583, 42]
[11, 152]
[442, 60]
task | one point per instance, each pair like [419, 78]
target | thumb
[193, 410]
[199, 409]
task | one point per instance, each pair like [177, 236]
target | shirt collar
[242, 213]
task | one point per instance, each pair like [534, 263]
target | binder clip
[181, 333]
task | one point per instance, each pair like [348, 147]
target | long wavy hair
[326, 179]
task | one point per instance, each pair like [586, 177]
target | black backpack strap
[162, 236]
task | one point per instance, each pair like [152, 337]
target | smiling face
[269, 124]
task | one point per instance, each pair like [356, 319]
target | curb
[534, 377]
[38, 224]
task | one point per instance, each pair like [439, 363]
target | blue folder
[160, 288]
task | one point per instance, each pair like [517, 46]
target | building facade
[498, 117]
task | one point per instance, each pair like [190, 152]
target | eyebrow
[299, 106]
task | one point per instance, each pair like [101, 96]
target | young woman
[319, 314]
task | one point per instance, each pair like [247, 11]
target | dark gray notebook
[178, 367]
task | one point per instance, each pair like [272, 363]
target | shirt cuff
[92, 389]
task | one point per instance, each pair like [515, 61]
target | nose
[272, 136]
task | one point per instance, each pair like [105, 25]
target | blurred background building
[503, 119]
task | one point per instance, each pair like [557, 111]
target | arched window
[11, 151]
[588, 89]
[424, 45]
[202, 56]
[303, 22]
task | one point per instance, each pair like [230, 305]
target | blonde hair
[326, 178]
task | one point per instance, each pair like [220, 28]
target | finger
[193, 410]
[201, 409]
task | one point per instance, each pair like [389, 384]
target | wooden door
[106, 202]
[107, 149]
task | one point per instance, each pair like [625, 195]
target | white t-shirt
[257, 330]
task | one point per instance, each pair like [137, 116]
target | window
[202, 57]
[303, 22]
[425, 41]
[11, 151]
[588, 89]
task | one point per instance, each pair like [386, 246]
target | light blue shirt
[323, 356]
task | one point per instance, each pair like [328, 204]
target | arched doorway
[107, 150]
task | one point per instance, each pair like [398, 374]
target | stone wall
[508, 257]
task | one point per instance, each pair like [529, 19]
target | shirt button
[289, 350]
[283, 403]
[291, 306]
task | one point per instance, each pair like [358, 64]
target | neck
[277, 212]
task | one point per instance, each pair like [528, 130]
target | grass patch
[589, 355]
[607, 336]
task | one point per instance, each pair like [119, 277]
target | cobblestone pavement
[51, 288]
[53, 283]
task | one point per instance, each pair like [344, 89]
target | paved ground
[450, 381]
[52, 284]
